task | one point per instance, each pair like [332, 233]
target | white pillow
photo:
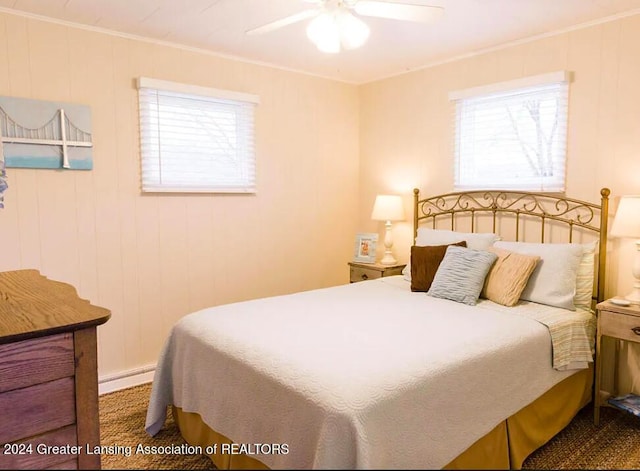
[477, 241]
[553, 282]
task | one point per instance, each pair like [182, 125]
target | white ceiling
[394, 46]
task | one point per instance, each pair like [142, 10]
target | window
[196, 139]
[512, 135]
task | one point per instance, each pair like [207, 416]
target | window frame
[498, 91]
[151, 155]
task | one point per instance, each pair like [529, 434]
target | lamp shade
[627, 220]
[388, 208]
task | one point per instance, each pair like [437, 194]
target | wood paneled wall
[406, 132]
[407, 122]
[325, 149]
[152, 259]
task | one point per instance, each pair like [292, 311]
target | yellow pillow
[508, 276]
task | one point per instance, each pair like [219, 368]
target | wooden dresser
[48, 374]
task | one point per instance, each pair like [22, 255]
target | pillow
[461, 274]
[553, 281]
[584, 277]
[426, 237]
[508, 276]
[424, 264]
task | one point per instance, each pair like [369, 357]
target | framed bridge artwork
[45, 134]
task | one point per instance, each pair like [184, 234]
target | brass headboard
[574, 215]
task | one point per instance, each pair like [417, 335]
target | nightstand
[621, 323]
[370, 271]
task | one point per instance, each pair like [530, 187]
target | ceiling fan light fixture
[333, 26]
[353, 31]
[323, 31]
[330, 45]
[332, 29]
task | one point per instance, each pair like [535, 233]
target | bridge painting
[45, 134]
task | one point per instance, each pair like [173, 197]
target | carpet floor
[615, 444]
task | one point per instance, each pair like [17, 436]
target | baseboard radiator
[126, 379]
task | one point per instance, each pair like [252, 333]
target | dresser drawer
[71, 464]
[35, 361]
[363, 274]
[620, 326]
[35, 454]
[37, 409]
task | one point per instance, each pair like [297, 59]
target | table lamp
[627, 224]
[388, 208]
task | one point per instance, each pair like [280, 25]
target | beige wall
[406, 123]
[325, 149]
[406, 127]
[153, 259]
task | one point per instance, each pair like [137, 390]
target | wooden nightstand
[371, 271]
[618, 322]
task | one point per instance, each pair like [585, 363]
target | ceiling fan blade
[303, 15]
[398, 11]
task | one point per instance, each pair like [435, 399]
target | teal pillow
[460, 276]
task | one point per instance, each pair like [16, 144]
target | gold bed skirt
[505, 447]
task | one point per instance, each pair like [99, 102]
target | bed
[477, 370]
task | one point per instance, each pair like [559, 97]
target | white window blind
[512, 135]
[196, 139]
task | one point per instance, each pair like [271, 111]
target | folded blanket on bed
[572, 332]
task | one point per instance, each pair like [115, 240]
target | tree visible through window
[513, 138]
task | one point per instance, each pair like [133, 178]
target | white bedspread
[572, 332]
[366, 375]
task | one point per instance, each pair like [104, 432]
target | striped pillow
[460, 276]
[508, 276]
[429, 237]
[585, 275]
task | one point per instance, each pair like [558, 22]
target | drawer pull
[636, 330]
[366, 277]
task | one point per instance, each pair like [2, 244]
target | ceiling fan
[335, 24]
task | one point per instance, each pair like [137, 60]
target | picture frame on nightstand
[365, 247]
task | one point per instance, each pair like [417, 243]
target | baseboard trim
[126, 379]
